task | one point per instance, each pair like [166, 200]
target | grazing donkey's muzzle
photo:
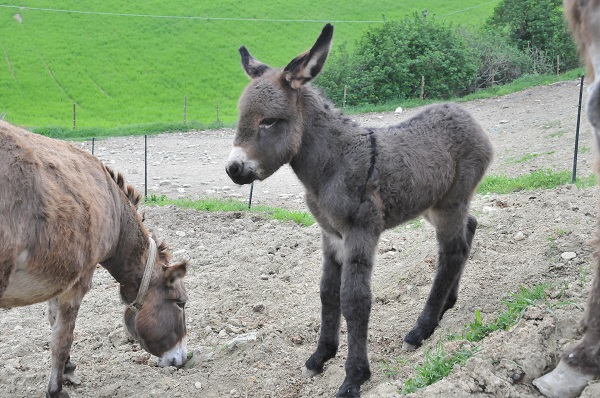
[239, 168]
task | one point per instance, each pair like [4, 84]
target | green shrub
[391, 60]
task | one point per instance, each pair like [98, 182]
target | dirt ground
[253, 311]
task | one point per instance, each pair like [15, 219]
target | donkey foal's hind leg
[453, 295]
[329, 337]
[454, 247]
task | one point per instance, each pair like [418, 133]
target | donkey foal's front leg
[329, 337]
[356, 307]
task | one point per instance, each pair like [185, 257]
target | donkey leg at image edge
[581, 364]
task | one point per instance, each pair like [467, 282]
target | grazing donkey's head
[159, 324]
[269, 131]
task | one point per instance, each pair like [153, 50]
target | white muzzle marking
[239, 155]
[176, 356]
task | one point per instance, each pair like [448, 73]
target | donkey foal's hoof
[306, 372]
[408, 346]
[350, 392]
[563, 382]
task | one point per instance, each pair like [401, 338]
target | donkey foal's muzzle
[239, 167]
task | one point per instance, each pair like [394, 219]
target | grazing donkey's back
[358, 183]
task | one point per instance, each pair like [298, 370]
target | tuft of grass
[527, 157]
[390, 368]
[516, 306]
[545, 179]
[213, 205]
[437, 365]
[552, 124]
[583, 274]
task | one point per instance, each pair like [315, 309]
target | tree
[536, 27]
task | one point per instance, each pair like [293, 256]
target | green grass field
[127, 63]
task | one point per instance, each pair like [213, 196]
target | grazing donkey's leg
[330, 305]
[69, 371]
[454, 233]
[62, 314]
[60, 343]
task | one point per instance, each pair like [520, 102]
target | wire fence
[251, 188]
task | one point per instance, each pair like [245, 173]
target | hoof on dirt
[353, 392]
[563, 382]
[408, 346]
[306, 372]
[72, 378]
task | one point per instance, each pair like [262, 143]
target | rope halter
[139, 300]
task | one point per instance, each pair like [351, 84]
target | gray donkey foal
[358, 183]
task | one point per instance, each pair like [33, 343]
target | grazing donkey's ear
[308, 65]
[175, 271]
[253, 67]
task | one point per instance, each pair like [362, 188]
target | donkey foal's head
[269, 131]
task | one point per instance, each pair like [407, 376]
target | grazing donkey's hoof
[69, 374]
[563, 382]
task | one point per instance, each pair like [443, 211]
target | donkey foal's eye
[181, 304]
[266, 123]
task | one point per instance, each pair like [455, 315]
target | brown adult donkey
[581, 363]
[358, 183]
[61, 213]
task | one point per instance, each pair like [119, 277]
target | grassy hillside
[133, 62]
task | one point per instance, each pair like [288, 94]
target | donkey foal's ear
[307, 65]
[253, 67]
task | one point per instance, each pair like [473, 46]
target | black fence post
[250, 198]
[574, 177]
[145, 167]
